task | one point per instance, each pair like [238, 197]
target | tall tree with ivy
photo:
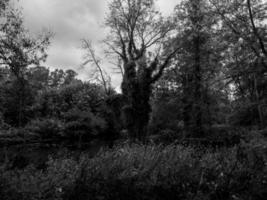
[137, 35]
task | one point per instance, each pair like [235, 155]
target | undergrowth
[135, 171]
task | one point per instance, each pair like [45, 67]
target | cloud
[71, 21]
[167, 7]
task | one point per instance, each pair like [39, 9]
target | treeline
[197, 72]
[204, 66]
[38, 103]
[194, 82]
[54, 105]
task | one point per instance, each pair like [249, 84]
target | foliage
[204, 66]
[202, 73]
[161, 117]
[13, 96]
[137, 33]
[3, 125]
[77, 125]
[46, 128]
[77, 95]
[243, 28]
[134, 171]
[19, 50]
[83, 124]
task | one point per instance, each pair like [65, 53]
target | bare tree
[90, 57]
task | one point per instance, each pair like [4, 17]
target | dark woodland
[189, 121]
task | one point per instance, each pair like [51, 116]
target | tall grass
[146, 172]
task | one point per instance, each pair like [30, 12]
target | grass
[135, 171]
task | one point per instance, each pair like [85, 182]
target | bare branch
[89, 47]
[164, 65]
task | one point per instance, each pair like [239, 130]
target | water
[20, 156]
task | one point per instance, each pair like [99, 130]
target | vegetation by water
[190, 120]
[136, 171]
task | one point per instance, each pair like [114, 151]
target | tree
[56, 78]
[38, 77]
[196, 20]
[99, 74]
[197, 65]
[59, 77]
[244, 26]
[18, 51]
[138, 34]
[70, 76]
[3, 5]
[247, 21]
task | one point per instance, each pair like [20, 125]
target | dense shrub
[16, 101]
[147, 172]
[83, 124]
[162, 118]
[166, 136]
[246, 114]
[216, 136]
[46, 128]
[3, 125]
[224, 135]
[75, 125]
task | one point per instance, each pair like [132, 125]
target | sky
[71, 21]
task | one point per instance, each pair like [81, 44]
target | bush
[162, 119]
[166, 136]
[83, 124]
[224, 135]
[246, 115]
[46, 128]
[77, 125]
[149, 172]
[3, 125]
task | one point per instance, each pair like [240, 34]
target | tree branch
[164, 65]
[89, 47]
[255, 30]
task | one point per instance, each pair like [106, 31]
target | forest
[189, 121]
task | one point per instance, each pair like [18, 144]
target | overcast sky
[71, 21]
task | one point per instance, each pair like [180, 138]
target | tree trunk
[197, 92]
[261, 121]
[197, 41]
[21, 101]
[137, 90]
[187, 103]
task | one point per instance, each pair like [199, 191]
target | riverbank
[136, 171]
